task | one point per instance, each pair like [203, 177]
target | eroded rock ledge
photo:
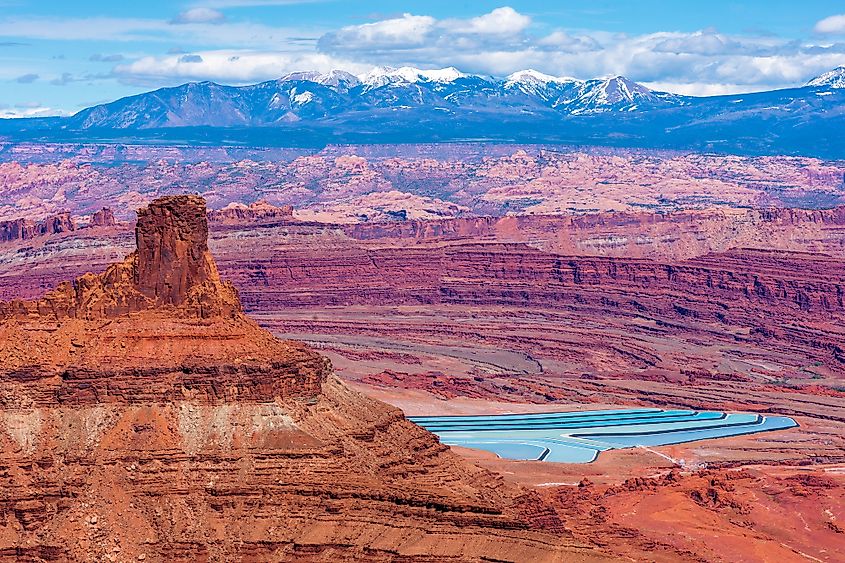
[158, 326]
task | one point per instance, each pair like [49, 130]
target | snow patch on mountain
[337, 79]
[303, 98]
[832, 79]
[383, 76]
[533, 76]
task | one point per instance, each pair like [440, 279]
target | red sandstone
[142, 414]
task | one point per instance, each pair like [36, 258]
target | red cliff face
[172, 257]
[647, 235]
[23, 229]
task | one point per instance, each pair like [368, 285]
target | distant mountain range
[412, 105]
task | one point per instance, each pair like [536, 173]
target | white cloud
[563, 41]
[499, 28]
[831, 25]
[397, 33]
[230, 66]
[699, 43]
[200, 15]
[29, 109]
[501, 21]
[704, 88]
[702, 62]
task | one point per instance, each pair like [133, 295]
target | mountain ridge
[409, 105]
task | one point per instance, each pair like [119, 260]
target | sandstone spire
[172, 267]
[173, 258]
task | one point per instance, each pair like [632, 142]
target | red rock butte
[144, 416]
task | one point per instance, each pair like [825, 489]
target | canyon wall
[654, 235]
[711, 287]
[773, 278]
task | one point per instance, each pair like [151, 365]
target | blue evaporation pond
[578, 437]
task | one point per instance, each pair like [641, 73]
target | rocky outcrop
[172, 266]
[173, 258]
[158, 326]
[260, 211]
[103, 218]
[23, 229]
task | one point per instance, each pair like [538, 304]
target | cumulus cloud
[831, 25]
[563, 41]
[499, 28]
[702, 62]
[199, 15]
[26, 78]
[501, 21]
[701, 43]
[406, 32]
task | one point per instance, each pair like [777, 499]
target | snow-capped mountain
[338, 79]
[408, 104]
[534, 83]
[315, 95]
[616, 94]
[387, 76]
[831, 79]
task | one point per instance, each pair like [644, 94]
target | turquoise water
[579, 437]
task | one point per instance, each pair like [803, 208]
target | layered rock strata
[143, 416]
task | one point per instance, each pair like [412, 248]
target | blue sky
[61, 56]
